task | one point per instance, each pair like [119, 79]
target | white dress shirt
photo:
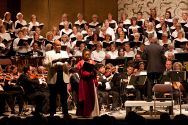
[98, 55]
[113, 55]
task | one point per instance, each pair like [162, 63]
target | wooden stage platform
[121, 113]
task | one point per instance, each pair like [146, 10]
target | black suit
[154, 54]
[115, 91]
[35, 92]
[74, 81]
[102, 92]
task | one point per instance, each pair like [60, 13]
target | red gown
[86, 92]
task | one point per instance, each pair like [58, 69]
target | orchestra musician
[87, 95]
[8, 23]
[2, 96]
[13, 90]
[35, 51]
[34, 90]
[58, 77]
[103, 86]
[74, 81]
[180, 85]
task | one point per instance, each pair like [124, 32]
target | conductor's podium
[130, 104]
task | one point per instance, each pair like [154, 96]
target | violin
[8, 77]
[33, 76]
[37, 76]
[2, 76]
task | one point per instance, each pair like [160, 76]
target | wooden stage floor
[120, 114]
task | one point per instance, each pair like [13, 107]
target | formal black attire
[35, 92]
[154, 54]
[103, 94]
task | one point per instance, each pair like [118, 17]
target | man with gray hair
[154, 54]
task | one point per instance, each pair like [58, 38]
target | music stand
[133, 80]
[177, 76]
[138, 79]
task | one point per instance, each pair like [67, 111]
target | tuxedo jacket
[52, 72]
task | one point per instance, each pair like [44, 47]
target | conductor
[57, 78]
[154, 54]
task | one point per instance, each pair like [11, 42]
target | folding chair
[166, 92]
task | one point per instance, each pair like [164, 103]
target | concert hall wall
[131, 7]
[49, 11]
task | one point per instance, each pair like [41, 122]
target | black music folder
[118, 61]
[140, 23]
[64, 48]
[40, 26]
[65, 33]
[180, 44]
[61, 60]
[177, 76]
[73, 39]
[134, 44]
[90, 46]
[112, 25]
[181, 56]
[61, 27]
[95, 26]
[169, 23]
[19, 25]
[88, 38]
[81, 26]
[88, 67]
[22, 42]
[182, 24]
[48, 42]
[120, 44]
[79, 42]
[7, 25]
[105, 44]
[126, 26]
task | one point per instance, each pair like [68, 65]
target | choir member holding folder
[21, 44]
[87, 95]
[8, 23]
[20, 22]
[64, 18]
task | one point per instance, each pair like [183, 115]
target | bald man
[58, 77]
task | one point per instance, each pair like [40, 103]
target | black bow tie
[57, 51]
